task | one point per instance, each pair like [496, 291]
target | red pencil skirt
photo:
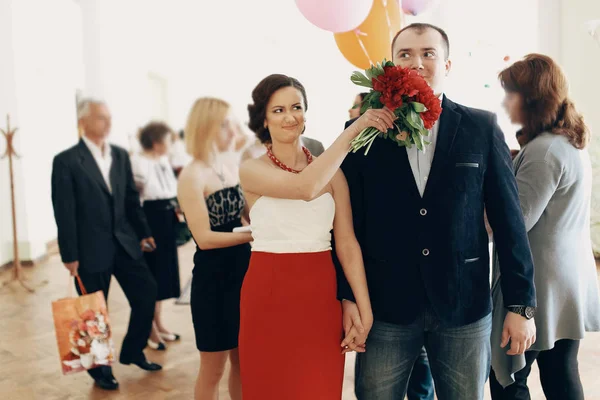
[291, 328]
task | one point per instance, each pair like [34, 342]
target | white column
[116, 52]
[96, 47]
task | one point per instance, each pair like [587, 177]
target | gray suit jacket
[555, 187]
[313, 145]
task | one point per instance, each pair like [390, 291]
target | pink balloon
[335, 15]
[414, 7]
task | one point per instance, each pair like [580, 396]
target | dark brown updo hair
[152, 133]
[261, 95]
[546, 105]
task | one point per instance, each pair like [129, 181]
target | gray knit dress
[555, 186]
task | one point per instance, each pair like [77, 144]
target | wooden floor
[29, 367]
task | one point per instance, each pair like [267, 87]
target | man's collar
[94, 148]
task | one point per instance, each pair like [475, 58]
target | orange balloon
[371, 42]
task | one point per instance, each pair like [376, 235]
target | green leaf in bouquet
[418, 107]
[367, 98]
[409, 120]
[419, 141]
[358, 78]
[414, 120]
[378, 69]
[376, 100]
[387, 63]
[366, 103]
[365, 106]
[370, 73]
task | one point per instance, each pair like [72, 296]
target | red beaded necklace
[284, 167]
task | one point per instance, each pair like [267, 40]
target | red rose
[399, 85]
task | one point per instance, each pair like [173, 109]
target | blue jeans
[459, 358]
[420, 384]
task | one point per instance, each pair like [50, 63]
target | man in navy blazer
[419, 219]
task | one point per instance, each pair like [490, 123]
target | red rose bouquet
[407, 95]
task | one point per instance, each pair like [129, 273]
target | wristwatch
[524, 311]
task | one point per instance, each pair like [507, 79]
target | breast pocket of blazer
[468, 172]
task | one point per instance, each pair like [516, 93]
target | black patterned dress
[218, 276]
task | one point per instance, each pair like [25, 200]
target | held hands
[356, 328]
[73, 267]
[520, 331]
[381, 119]
[148, 245]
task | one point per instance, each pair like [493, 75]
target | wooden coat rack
[9, 134]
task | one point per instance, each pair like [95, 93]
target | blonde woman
[211, 198]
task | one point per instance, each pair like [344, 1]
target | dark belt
[162, 204]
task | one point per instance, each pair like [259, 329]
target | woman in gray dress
[554, 177]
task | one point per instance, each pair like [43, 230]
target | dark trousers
[140, 289]
[559, 375]
[420, 385]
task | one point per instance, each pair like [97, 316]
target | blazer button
[425, 252]
[423, 212]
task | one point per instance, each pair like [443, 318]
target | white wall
[8, 105]
[42, 71]
[580, 57]
[227, 51]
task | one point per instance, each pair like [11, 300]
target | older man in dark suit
[102, 229]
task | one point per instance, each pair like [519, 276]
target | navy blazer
[435, 248]
[91, 220]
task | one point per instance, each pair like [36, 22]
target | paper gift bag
[83, 331]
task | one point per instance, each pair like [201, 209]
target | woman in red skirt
[292, 342]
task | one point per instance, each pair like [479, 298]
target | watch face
[529, 312]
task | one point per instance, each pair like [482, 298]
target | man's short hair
[83, 108]
[421, 27]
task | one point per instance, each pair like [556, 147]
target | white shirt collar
[95, 149]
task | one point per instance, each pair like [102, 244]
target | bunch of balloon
[371, 41]
[335, 15]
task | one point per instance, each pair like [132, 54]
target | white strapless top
[292, 226]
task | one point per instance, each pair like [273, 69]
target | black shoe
[160, 346]
[144, 364]
[106, 371]
[106, 383]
